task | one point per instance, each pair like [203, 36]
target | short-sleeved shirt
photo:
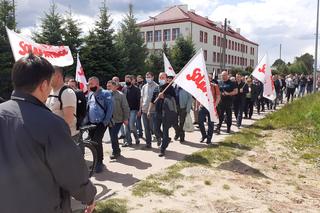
[227, 86]
[69, 99]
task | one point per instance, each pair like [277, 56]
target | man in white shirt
[63, 101]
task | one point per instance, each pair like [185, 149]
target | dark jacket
[241, 95]
[170, 92]
[133, 95]
[41, 166]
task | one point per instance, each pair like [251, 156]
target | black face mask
[128, 83]
[93, 89]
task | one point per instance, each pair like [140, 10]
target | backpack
[81, 104]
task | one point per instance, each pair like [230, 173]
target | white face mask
[162, 82]
[149, 80]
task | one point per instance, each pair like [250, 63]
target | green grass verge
[112, 206]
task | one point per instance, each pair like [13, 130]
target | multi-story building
[177, 21]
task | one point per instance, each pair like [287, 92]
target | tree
[298, 67]
[278, 62]
[154, 63]
[308, 61]
[51, 28]
[99, 55]
[130, 43]
[182, 52]
[283, 69]
[72, 38]
[7, 18]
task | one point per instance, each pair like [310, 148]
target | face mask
[162, 82]
[128, 83]
[93, 89]
[149, 80]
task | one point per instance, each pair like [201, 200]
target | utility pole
[224, 43]
[316, 51]
[154, 30]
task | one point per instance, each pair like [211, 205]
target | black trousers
[248, 109]
[238, 108]
[290, 94]
[260, 105]
[182, 114]
[96, 135]
[225, 107]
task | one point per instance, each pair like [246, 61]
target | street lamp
[316, 51]
[154, 27]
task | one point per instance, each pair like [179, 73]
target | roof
[176, 14]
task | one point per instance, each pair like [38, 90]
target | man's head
[129, 80]
[169, 79]
[72, 83]
[93, 84]
[32, 75]
[162, 78]
[112, 86]
[210, 76]
[149, 77]
[249, 81]
[67, 79]
[139, 79]
[57, 78]
[224, 76]
[238, 78]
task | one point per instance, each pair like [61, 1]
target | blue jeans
[131, 128]
[203, 114]
[148, 126]
[113, 131]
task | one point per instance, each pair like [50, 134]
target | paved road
[136, 164]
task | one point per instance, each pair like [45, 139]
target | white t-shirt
[68, 98]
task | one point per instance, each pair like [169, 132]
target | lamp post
[154, 28]
[316, 51]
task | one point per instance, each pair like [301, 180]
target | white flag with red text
[21, 46]
[263, 73]
[80, 76]
[167, 66]
[194, 79]
[260, 71]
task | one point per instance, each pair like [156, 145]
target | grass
[207, 182]
[226, 187]
[112, 206]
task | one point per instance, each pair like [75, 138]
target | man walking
[100, 109]
[239, 99]
[41, 166]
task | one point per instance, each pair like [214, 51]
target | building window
[214, 58]
[142, 34]
[149, 36]
[214, 40]
[232, 45]
[246, 62]
[166, 35]
[175, 33]
[201, 36]
[205, 37]
[205, 53]
[219, 42]
[253, 51]
[157, 35]
[239, 47]
[232, 59]
[246, 49]
[238, 60]
[229, 59]
[236, 46]
[218, 57]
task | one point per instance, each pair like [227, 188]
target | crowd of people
[142, 108]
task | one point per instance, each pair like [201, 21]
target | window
[149, 36]
[175, 33]
[239, 47]
[229, 59]
[218, 41]
[205, 37]
[214, 56]
[214, 40]
[252, 50]
[232, 59]
[238, 60]
[157, 35]
[246, 49]
[201, 36]
[246, 62]
[232, 45]
[236, 46]
[166, 35]
[205, 53]
[142, 34]
[218, 57]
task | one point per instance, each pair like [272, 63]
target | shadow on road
[125, 179]
[133, 162]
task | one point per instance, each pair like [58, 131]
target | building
[177, 21]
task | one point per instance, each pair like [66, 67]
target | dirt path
[269, 178]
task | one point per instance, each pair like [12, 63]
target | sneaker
[218, 131]
[228, 130]
[213, 144]
[127, 145]
[99, 167]
[202, 139]
[137, 142]
[159, 141]
[176, 137]
[114, 156]
[182, 140]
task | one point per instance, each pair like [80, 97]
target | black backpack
[81, 104]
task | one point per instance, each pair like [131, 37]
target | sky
[269, 23]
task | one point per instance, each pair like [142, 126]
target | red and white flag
[263, 73]
[21, 46]
[80, 76]
[167, 66]
[194, 79]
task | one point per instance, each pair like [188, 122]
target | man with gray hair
[100, 109]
